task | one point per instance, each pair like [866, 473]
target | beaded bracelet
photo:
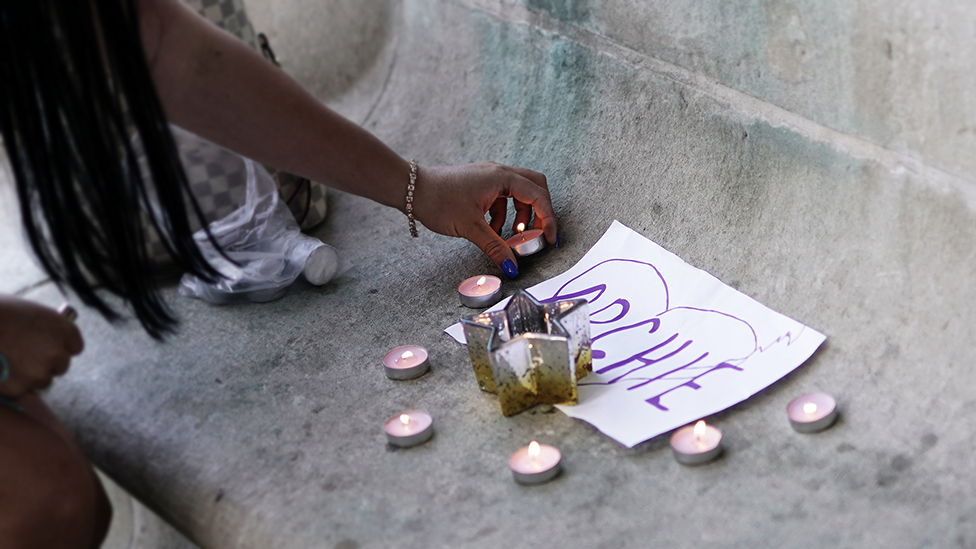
[410, 187]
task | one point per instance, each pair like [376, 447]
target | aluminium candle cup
[477, 296]
[690, 451]
[418, 430]
[527, 242]
[67, 311]
[820, 417]
[406, 362]
[538, 470]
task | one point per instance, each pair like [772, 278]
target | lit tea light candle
[480, 291]
[812, 412]
[535, 463]
[408, 429]
[526, 242]
[695, 444]
[407, 362]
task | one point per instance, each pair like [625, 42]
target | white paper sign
[671, 343]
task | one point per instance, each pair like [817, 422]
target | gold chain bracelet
[410, 187]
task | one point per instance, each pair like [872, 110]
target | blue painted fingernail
[557, 240]
[510, 270]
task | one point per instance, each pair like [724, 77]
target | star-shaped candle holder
[530, 352]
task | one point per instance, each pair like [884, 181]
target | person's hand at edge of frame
[37, 344]
[453, 200]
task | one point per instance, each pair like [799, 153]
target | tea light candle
[480, 291]
[696, 444]
[408, 429]
[67, 311]
[812, 412]
[527, 242]
[407, 362]
[535, 463]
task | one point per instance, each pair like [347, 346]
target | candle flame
[405, 419]
[520, 227]
[700, 429]
[482, 280]
[534, 449]
[810, 407]
[406, 355]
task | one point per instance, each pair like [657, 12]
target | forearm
[215, 86]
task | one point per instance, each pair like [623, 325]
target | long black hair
[75, 94]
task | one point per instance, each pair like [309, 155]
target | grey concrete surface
[17, 269]
[896, 73]
[260, 425]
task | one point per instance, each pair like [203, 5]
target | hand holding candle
[36, 346]
[453, 200]
[526, 242]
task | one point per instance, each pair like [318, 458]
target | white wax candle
[527, 242]
[535, 463]
[409, 428]
[812, 412]
[698, 443]
[406, 362]
[480, 291]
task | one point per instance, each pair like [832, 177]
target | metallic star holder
[530, 352]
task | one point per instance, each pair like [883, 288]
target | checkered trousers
[219, 183]
[306, 199]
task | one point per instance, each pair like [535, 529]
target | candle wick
[521, 228]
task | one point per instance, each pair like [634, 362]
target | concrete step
[259, 425]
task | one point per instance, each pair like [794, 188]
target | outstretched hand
[37, 344]
[244, 103]
[453, 200]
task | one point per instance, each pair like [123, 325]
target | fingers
[456, 198]
[533, 176]
[523, 214]
[16, 388]
[494, 247]
[498, 211]
[37, 378]
[73, 342]
[531, 189]
[37, 344]
[59, 365]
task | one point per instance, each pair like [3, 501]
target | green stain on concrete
[573, 11]
[536, 96]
